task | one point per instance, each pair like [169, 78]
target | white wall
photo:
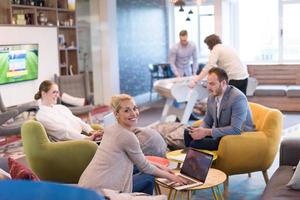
[104, 43]
[46, 37]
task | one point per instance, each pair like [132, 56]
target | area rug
[11, 147]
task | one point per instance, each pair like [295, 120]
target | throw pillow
[71, 100]
[172, 132]
[4, 175]
[19, 171]
[295, 180]
[151, 142]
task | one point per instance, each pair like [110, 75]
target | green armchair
[60, 161]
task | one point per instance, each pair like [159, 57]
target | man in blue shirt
[181, 54]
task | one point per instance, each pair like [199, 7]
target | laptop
[194, 170]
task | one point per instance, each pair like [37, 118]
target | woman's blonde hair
[116, 101]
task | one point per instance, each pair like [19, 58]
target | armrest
[8, 115]
[28, 107]
[289, 151]
[236, 153]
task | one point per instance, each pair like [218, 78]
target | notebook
[194, 170]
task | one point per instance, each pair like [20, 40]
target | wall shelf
[52, 13]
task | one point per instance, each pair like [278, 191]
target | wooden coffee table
[214, 178]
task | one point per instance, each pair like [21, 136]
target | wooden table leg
[170, 194]
[220, 193]
[157, 189]
[175, 195]
[214, 193]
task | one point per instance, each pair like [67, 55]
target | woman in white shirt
[58, 120]
[227, 59]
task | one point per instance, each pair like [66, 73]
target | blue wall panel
[142, 39]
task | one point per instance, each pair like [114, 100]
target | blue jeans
[142, 182]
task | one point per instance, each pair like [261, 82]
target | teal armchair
[58, 162]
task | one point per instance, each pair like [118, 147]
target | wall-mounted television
[18, 62]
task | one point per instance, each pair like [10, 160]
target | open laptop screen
[196, 164]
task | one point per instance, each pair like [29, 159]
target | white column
[104, 46]
[218, 17]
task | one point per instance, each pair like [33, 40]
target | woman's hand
[95, 135]
[97, 132]
[177, 179]
[162, 167]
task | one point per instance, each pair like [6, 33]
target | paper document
[179, 157]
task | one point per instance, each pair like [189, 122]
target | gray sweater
[112, 165]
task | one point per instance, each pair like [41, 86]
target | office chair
[159, 71]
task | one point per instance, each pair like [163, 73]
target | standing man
[227, 59]
[227, 113]
[181, 54]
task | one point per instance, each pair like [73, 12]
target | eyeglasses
[55, 92]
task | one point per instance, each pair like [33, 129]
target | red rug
[10, 139]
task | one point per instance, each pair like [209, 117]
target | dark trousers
[208, 143]
[142, 182]
[240, 84]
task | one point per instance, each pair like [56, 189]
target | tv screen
[18, 62]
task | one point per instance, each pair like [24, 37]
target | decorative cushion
[270, 90]
[293, 91]
[159, 160]
[71, 100]
[19, 171]
[295, 180]
[172, 132]
[151, 142]
[4, 175]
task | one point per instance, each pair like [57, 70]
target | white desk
[176, 89]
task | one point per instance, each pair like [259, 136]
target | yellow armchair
[59, 161]
[251, 151]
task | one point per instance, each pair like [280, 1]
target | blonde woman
[113, 164]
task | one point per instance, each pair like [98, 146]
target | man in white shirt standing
[181, 54]
[227, 59]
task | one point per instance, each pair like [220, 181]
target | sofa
[289, 157]
[278, 85]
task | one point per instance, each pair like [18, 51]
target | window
[290, 32]
[268, 30]
[258, 30]
[201, 24]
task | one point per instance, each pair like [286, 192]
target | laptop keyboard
[188, 181]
